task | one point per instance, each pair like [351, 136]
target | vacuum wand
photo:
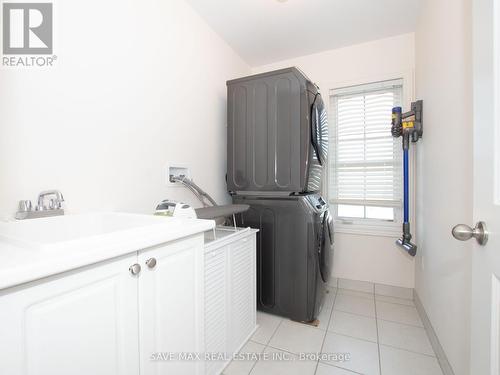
[408, 126]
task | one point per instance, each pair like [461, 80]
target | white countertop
[28, 252]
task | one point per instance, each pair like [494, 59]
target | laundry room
[249, 187]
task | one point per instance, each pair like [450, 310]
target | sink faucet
[55, 203]
[41, 210]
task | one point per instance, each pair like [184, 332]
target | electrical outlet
[176, 170]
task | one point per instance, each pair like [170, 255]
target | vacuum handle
[406, 187]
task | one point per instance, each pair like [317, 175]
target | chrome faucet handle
[40, 206]
[24, 206]
[55, 203]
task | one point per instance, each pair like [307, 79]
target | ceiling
[265, 31]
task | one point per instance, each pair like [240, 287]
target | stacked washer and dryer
[277, 158]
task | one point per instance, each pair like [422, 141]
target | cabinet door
[171, 307]
[242, 299]
[216, 297]
[81, 322]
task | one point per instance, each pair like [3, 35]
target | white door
[81, 322]
[171, 308]
[485, 309]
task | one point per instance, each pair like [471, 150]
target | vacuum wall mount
[409, 126]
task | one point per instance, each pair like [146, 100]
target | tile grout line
[378, 300]
[351, 337]
[378, 336]
[364, 316]
[255, 363]
[341, 368]
[377, 294]
[385, 320]
[326, 331]
[283, 350]
[266, 345]
[251, 368]
[275, 330]
[409, 351]
[381, 299]
[403, 324]
[349, 293]
[373, 285]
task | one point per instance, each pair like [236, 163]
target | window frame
[374, 227]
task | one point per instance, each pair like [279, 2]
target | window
[365, 185]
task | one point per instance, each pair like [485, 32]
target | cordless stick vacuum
[408, 126]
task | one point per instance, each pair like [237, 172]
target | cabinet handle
[135, 269]
[151, 263]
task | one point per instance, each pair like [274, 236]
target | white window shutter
[365, 163]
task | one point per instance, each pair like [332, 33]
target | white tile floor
[383, 334]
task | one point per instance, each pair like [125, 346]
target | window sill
[382, 230]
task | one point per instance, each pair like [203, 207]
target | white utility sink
[36, 248]
[71, 231]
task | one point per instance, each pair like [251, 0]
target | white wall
[138, 84]
[444, 191]
[361, 257]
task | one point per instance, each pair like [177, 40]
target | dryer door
[319, 129]
[318, 155]
[326, 247]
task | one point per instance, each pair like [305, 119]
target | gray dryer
[277, 138]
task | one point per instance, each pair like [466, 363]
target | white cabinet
[79, 323]
[171, 307]
[230, 294]
[103, 320]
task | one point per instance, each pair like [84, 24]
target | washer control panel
[317, 202]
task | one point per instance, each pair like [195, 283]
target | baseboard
[438, 349]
